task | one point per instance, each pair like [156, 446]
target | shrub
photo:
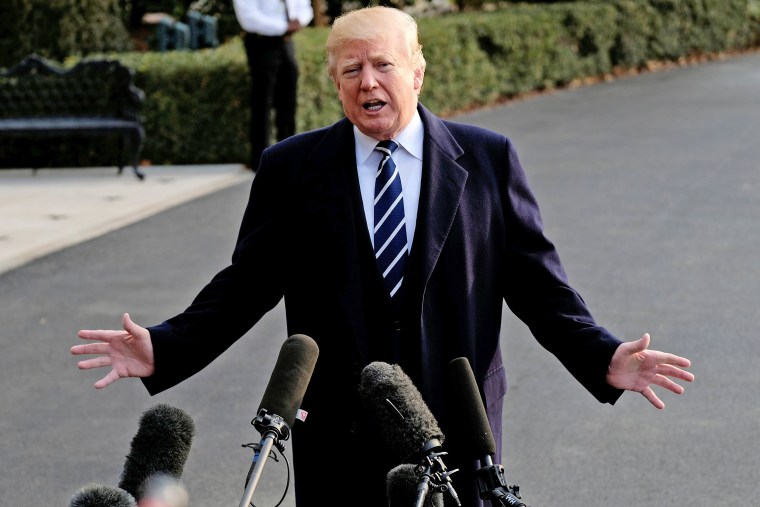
[56, 29]
[197, 103]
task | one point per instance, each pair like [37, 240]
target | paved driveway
[650, 187]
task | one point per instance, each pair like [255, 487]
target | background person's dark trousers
[274, 78]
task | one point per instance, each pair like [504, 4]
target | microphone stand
[273, 429]
[493, 486]
[431, 467]
[434, 473]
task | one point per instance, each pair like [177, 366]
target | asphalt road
[649, 186]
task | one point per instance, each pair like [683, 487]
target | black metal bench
[94, 98]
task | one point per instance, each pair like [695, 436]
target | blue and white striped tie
[390, 229]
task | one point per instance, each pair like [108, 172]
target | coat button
[397, 325]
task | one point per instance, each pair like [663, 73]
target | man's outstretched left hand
[634, 367]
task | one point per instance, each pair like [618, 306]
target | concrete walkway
[50, 209]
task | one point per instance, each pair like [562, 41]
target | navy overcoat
[479, 242]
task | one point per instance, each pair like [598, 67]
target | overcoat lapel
[332, 183]
[443, 182]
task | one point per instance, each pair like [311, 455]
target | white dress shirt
[408, 159]
[267, 17]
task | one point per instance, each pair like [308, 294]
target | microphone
[403, 484]
[98, 495]
[472, 415]
[281, 402]
[159, 448]
[409, 427]
[290, 378]
[473, 419]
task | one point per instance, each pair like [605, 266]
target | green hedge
[59, 28]
[196, 104]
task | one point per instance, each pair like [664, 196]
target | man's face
[377, 85]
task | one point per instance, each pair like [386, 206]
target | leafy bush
[197, 103]
[473, 59]
[56, 29]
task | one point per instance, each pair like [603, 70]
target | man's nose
[368, 80]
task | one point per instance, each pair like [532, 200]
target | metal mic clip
[271, 424]
[432, 470]
[274, 430]
[492, 486]
[434, 474]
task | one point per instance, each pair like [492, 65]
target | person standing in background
[268, 26]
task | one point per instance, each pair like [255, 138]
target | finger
[668, 384]
[99, 334]
[107, 380]
[678, 361]
[639, 345]
[668, 358]
[90, 348]
[95, 362]
[129, 325]
[672, 371]
[653, 399]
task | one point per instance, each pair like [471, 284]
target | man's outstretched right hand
[129, 353]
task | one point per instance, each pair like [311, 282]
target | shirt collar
[410, 139]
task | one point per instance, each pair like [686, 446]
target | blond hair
[373, 24]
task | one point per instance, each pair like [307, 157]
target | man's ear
[419, 76]
[337, 86]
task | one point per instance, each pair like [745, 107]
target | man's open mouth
[373, 105]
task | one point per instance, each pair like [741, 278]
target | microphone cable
[256, 447]
[279, 408]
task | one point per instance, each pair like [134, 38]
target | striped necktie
[390, 228]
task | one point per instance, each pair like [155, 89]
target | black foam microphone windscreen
[407, 423]
[402, 488]
[98, 495]
[160, 446]
[290, 377]
[470, 409]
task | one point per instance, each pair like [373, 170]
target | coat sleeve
[237, 297]
[538, 292]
